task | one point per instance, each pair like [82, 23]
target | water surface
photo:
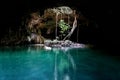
[36, 63]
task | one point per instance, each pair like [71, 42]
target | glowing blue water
[35, 63]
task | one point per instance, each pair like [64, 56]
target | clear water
[36, 63]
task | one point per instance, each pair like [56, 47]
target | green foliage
[64, 26]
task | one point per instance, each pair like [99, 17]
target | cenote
[37, 63]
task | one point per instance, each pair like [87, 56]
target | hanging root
[72, 30]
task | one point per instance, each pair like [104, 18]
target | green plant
[64, 26]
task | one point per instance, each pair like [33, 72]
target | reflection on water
[36, 63]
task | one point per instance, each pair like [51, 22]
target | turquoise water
[36, 63]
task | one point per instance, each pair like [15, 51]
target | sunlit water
[36, 63]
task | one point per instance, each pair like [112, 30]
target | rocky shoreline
[66, 43]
